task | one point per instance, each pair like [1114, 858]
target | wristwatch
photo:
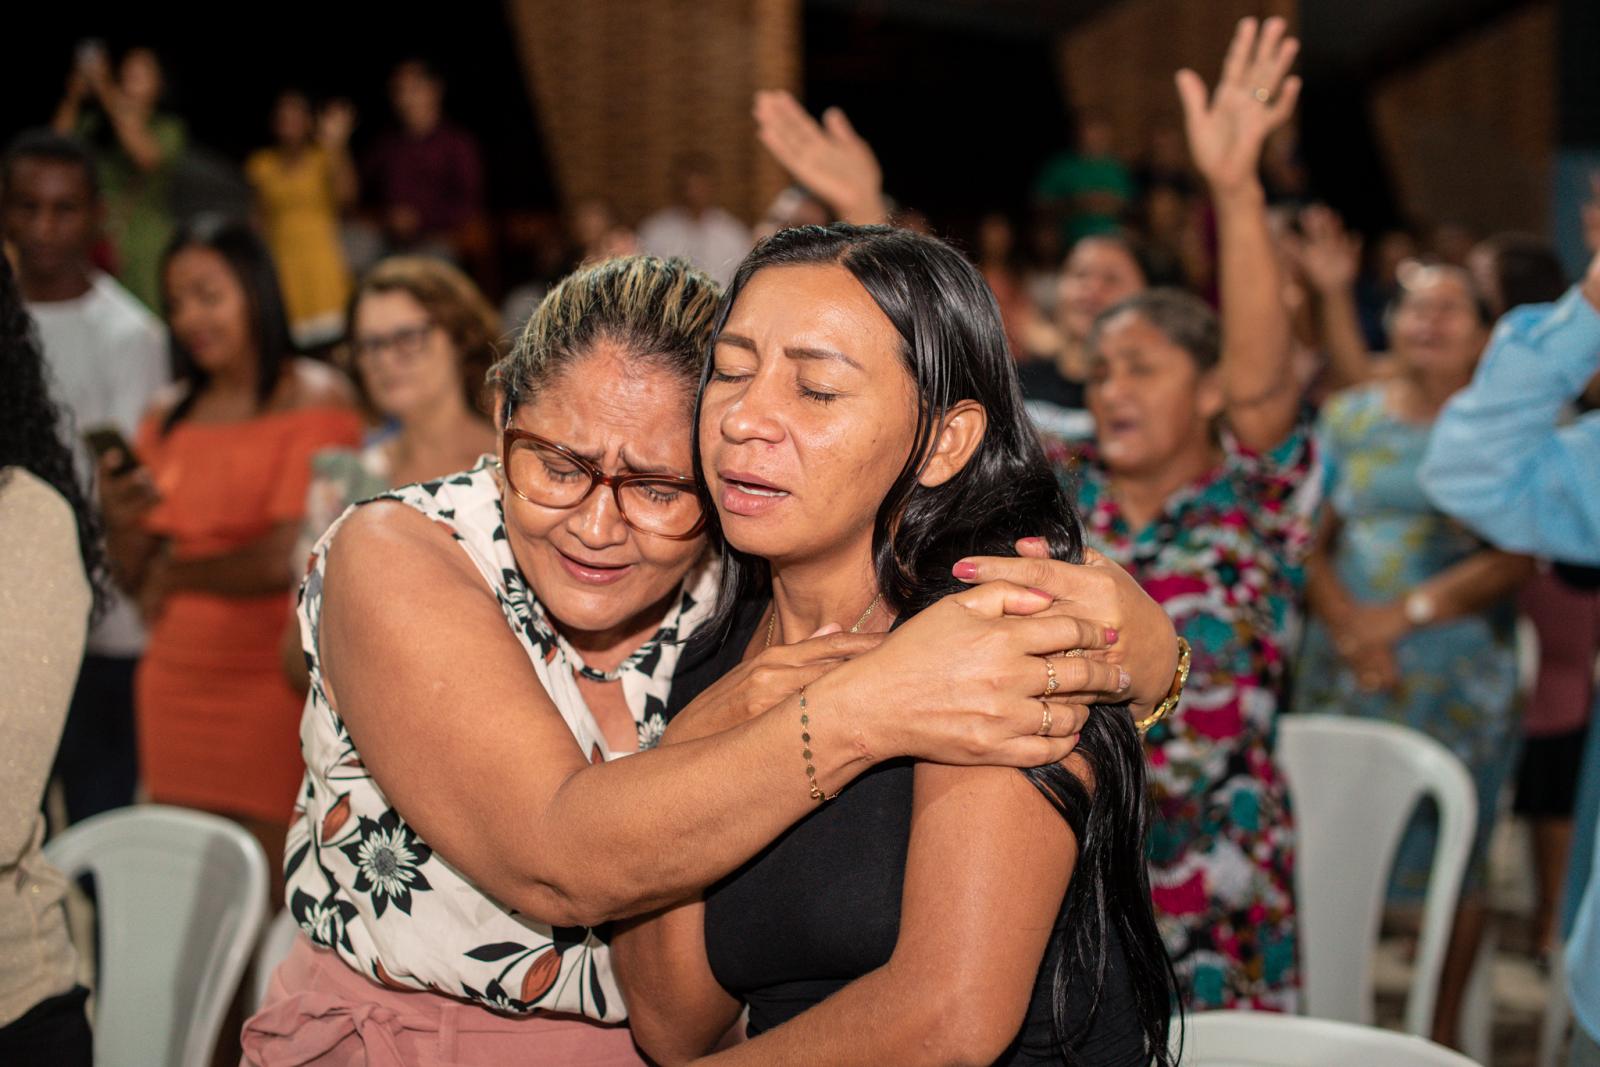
[1420, 608]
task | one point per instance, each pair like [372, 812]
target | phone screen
[103, 439]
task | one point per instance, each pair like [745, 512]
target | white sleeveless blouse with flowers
[359, 879]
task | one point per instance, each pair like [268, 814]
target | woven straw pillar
[1121, 62]
[623, 87]
[1469, 131]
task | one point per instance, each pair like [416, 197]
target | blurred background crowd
[306, 241]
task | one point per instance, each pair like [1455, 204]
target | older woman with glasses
[422, 339]
[484, 646]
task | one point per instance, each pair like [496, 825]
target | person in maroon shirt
[427, 175]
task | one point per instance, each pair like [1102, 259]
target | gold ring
[1071, 652]
[1263, 95]
[1044, 727]
[1052, 683]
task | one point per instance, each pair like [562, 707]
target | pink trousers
[320, 1011]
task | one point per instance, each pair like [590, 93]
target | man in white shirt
[695, 228]
[108, 357]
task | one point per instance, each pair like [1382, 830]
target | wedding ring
[1052, 683]
[1071, 652]
[1044, 727]
[1263, 95]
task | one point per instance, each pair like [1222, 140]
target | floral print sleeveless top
[1225, 559]
[359, 879]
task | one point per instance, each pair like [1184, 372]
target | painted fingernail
[1124, 681]
[1111, 636]
[965, 569]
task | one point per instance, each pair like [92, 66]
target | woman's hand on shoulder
[1144, 644]
[765, 680]
[966, 682]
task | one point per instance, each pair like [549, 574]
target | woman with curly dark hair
[49, 561]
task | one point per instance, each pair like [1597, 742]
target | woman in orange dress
[200, 532]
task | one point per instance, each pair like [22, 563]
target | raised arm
[1330, 257]
[1254, 96]
[1498, 458]
[828, 158]
[452, 721]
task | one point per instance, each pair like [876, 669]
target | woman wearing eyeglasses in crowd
[422, 340]
[482, 648]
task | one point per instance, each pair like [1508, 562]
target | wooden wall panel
[1121, 62]
[1469, 132]
[622, 87]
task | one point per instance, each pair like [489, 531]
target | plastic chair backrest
[1262, 1039]
[1354, 784]
[181, 897]
[275, 944]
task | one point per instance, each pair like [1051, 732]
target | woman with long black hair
[861, 432]
[50, 567]
[200, 532]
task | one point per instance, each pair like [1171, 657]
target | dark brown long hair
[953, 345]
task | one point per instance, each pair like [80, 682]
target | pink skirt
[319, 1011]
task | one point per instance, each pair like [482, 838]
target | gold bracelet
[1174, 694]
[805, 738]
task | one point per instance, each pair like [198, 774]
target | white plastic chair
[1354, 784]
[1262, 1039]
[1557, 1013]
[181, 897]
[275, 943]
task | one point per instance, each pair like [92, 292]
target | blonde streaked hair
[659, 311]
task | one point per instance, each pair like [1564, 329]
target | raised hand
[829, 158]
[1254, 96]
[1328, 254]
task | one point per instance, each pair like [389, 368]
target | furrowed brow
[806, 352]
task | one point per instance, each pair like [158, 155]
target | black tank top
[820, 906]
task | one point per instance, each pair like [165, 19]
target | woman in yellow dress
[301, 183]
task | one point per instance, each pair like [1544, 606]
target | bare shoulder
[310, 384]
[387, 545]
[982, 792]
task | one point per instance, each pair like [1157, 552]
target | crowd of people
[827, 525]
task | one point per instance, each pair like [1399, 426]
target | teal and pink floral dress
[1458, 680]
[1226, 560]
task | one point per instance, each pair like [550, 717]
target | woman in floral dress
[1412, 613]
[1201, 484]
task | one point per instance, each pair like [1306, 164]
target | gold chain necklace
[772, 620]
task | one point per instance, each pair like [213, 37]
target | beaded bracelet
[805, 738]
[1179, 679]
